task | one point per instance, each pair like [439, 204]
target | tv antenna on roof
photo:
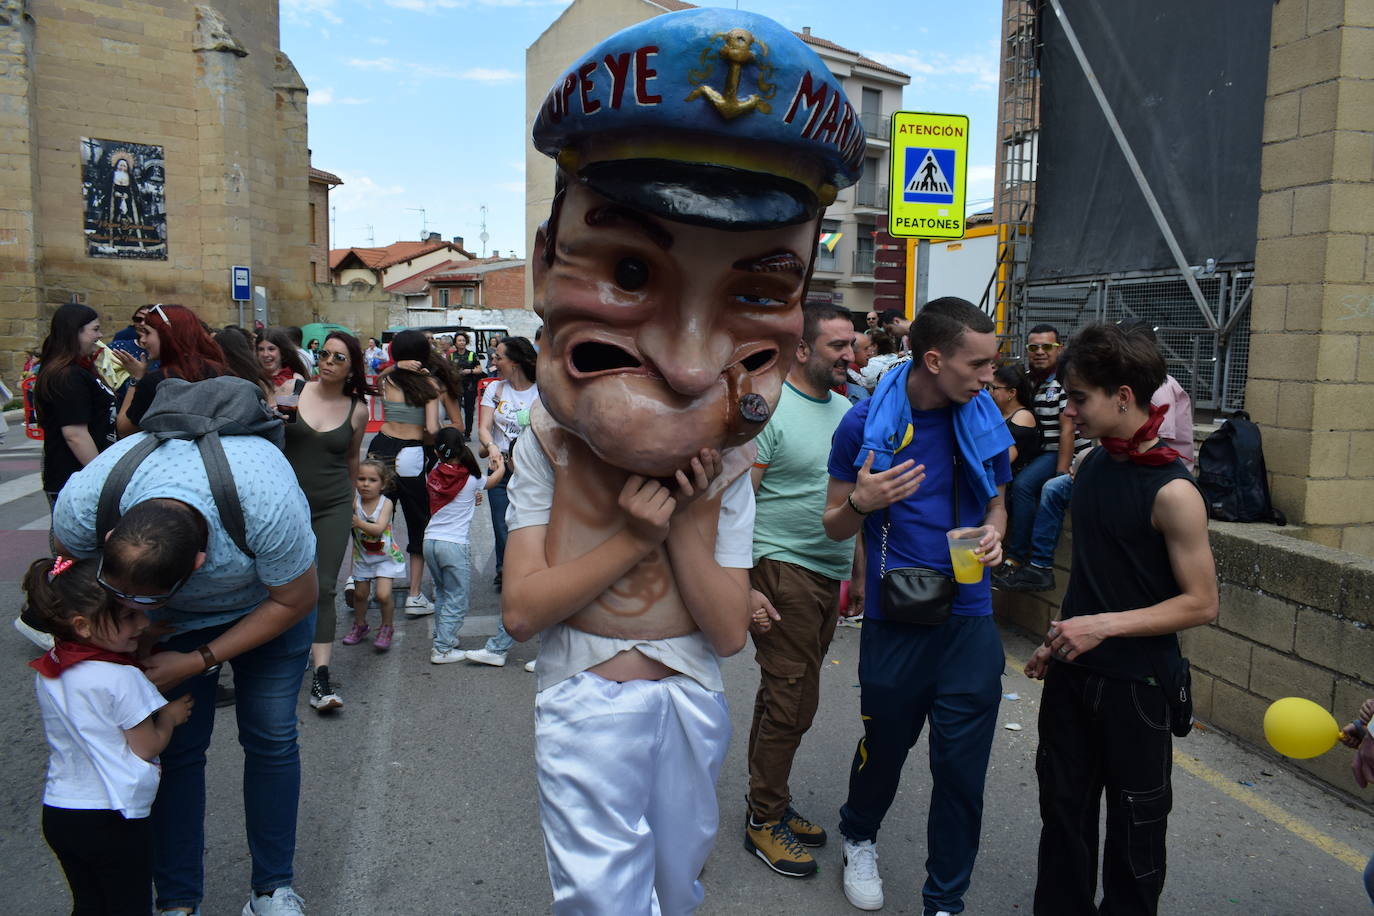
[483, 237]
[424, 222]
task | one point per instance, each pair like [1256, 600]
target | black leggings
[408, 491]
[107, 858]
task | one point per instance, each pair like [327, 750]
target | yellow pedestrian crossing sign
[928, 171]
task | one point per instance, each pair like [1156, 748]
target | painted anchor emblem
[737, 52]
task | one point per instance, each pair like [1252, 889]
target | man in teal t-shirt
[797, 573]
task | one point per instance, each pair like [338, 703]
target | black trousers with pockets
[107, 858]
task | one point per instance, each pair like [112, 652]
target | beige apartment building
[844, 270]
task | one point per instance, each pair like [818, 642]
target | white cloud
[306, 11]
[375, 40]
[485, 75]
[514, 187]
[359, 193]
[976, 72]
[386, 64]
[325, 96]
[423, 71]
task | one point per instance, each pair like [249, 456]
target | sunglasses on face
[998, 388]
[139, 600]
[334, 355]
[1043, 348]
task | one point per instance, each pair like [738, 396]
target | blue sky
[420, 103]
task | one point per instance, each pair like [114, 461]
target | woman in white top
[504, 416]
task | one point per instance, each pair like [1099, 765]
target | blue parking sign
[241, 279]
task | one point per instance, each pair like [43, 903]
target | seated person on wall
[670, 277]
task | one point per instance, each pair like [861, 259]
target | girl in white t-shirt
[454, 485]
[106, 724]
[376, 558]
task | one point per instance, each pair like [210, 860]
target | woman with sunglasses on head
[323, 443]
[1012, 392]
[175, 336]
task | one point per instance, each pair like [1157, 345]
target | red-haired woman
[323, 444]
[174, 335]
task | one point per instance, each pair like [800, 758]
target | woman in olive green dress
[323, 445]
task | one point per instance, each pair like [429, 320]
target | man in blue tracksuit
[895, 463]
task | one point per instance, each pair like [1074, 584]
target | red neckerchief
[283, 376]
[64, 654]
[445, 482]
[1155, 457]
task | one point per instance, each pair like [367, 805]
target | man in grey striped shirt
[1042, 351]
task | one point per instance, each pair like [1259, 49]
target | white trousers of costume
[627, 792]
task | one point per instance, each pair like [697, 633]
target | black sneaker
[1028, 578]
[322, 695]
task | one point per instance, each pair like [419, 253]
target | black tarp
[1186, 79]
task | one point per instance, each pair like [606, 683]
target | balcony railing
[863, 263]
[826, 260]
[876, 124]
[870, 194]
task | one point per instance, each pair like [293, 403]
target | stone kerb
[1296, 619]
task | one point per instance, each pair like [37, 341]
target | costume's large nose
[690, 353]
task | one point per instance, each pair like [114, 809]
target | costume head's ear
[539, 263]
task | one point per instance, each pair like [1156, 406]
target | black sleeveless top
[1120, 561]
[1026, 439]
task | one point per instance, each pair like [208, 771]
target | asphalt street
[419, 795]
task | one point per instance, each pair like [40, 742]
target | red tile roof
[390, 255]
[416, 283]
[326, 177]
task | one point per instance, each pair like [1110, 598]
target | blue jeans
[1049, 520]
[267, 681]
[1025, 494]
[448, 566]
[949, 675]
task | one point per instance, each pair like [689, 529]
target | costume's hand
[856, 599]
[179, 710]
[132, 364]
[1068, 639]
[1363, 764]
[878, 491]
[648, 507]
[1039, 663]
[693, 481]
[167, 669]
[762, 614]
[990, 547]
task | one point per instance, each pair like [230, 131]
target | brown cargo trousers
[789, 656]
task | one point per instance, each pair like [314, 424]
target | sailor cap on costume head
[713, 117]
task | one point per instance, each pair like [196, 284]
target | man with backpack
[209, 533]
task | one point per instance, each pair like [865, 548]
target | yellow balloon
[1299, 728]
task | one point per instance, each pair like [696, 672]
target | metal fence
[1211, 363]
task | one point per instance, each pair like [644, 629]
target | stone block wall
[1311, 370]
[1296, 619]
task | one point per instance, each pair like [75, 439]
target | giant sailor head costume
[696, 152]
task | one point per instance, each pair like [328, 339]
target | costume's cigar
[753, 408]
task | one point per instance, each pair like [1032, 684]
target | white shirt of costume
[511, 411]
[566, 651]
[90, 763]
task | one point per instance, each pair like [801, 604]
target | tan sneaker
[807, 833]
[780, 850]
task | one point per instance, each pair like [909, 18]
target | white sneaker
[40, 639]
[446, 658]
[348, 591]
[862, 886]
[281, 902]
[418, 606]
[485, 657]
[531, 665]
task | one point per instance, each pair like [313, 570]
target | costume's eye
[631, 274]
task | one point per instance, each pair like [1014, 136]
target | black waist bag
[1175, 677]
[915, 594]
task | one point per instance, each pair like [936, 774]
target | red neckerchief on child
[282, 376]
[1155, 457]
[445, 482]
[64, 654]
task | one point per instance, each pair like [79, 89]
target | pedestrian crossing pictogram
[928, 174]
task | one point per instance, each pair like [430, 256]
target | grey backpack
[200, 412]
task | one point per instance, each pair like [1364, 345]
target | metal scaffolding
[1019, 129]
